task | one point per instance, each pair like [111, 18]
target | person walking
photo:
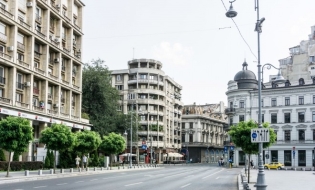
[84, 159]
[252, 164]
[77, 161]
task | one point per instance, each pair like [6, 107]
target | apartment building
[204, 132]
[40, 64]
[146, 90]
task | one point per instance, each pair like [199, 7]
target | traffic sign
[225, 148]
[231, 147]
[144, 147]
[259, 135]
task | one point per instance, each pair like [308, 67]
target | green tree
[113, 144]
[15, 135]
[87, 142]
[51, 159]
[57, 138]
[241, 137]
[16, 156]
[99, 98]
[47, 161]
[2, 156]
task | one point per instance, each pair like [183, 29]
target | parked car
[274, 165]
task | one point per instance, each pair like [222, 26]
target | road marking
[188, 176]
[93, 179]
[39, 187]
[174, 175]
[133, 184]
[79, 182]
[62, 183]
[185, 185]
[18, 189]
[217, 178]
[147, 175]
[212, 174]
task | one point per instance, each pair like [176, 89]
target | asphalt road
[194, 176]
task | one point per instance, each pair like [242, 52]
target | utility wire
[240, 32]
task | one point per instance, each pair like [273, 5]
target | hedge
[18, 166]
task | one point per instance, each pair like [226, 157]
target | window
[273, 118]
[119, 87]
[18, 97]
[191, 137]
[314, 135]
[2, 49]
[313, 116]
[37, 48]
[19, 81]
[191, 125]
[36, 64]
[287, 158]
[301, 157]
[273, 102]
[287, 117]
[2, 28]
[262, 118]
[1, 92]
[119, 107]
[142, 76]
[183, 138]
[301, 135]
[301, 116]
[2, 79]
[118, 78]
[287, 101]
[312, 58]
[287, 135]
[301, 81]
[241, 118]
[242, 104]
[313, 99]
[231, 121]
[301, 100]
[20, 38]
[38, 12]
[274, 156]
[20, 56]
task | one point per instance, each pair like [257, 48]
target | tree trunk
[249, 166]
[9, 164]
[55, 162]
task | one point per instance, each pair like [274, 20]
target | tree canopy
[99, 98]
[87, 141]
[15, 135]
[113, 143]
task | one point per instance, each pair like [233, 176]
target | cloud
[175, 54]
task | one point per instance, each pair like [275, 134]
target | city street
[191, 176]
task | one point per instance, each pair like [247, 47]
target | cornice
[287, 127]
[301, 126]
[274, 127]
[312, 126]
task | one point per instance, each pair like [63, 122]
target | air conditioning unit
[11, 48]
[29, 4]
[27, 84]
[56, 60]
[56, 105]
[57, 40]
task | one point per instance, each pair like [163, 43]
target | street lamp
[131, 115]
[261, 183]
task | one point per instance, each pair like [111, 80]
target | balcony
[295, 142]
[21, 104]
[3, 38]
[5, 100]
[6, 13]
[76, 87]
[77, 26]
[20, 46]
[38, 70]
[65, 16]
[2, 80]
[74, 117]
[37, 108]
[24, 24]
[37, 54]
[54, 42]
[53, 76]
[66, 50]
[64, 114]
[22, 63]
[38, 18]
[230, 111]
[40, 34]
[36, 91]
[19, 86]
[5, 56]
[65, 82]
[52, 112]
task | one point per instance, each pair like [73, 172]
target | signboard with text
[259, 135]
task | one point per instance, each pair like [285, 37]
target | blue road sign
[225, 150]
[144, 147]
[254, 135]
[225, 147]
[231, 147]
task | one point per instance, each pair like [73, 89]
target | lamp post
[126, 135]
[261, 183]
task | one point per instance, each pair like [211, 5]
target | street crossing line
[133, 184]
[212, 174]
[62, 183]
[79, 181]
[39, 187]
[185, 185]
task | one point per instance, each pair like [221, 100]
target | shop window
[287, 117]
[301, 158]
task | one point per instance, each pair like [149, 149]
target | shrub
[2, 156]
[16, 156]
[18, 166]
[51, 159]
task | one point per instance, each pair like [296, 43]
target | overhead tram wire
[240, 33]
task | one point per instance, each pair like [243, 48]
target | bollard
[94, 168]
[80, 169]
[51, 171]
[62, 170]
[303, 169]
[119, 167]
[71, 170]
[27, 172]
[294, 169]
[101, 168]
[107, 168]
[286, 169]
[87, 169]
[40, 172]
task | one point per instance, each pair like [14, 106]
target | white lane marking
[133, 184]
[79, 182]
[39, 187]
[93, 179]
[62, 183]
[185, 185]
[147, 175]
[188, 176]
[174, 175]
[18, 189]
[217, 178]
[212, 174]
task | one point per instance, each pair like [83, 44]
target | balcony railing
[74, 117]
[50, 96]
[2, 80]
[64, 114]
[295, 142]
[65, 82]
[38, 70]
[40, 34]
[6, 56]
[76, 87]
[21, 46]
[229, 110]
[37, 54]
[54, 112]
[54, 6]
[19, 85]
[6, 13]
[21, 104]
[24, 24]
[78, 27]
[54, 42]
[35, 90]
[22, 63]
[66, 50]
[5, 100]
[53, 76]
[37, 108]
[65, 16]
[3, 38]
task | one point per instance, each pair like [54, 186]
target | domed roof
[244, 74]
[246, 79]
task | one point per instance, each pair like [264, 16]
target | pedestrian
[252, 164]
[84, 161]
[77, 161]
[219, 162]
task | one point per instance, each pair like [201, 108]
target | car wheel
[279, 168]
[266, 167]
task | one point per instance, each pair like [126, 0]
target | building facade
[204, 133]
[146, 90]
[289, 109]
[40, 64]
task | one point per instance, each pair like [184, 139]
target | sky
[199, 47]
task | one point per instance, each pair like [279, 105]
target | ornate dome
[246, 79]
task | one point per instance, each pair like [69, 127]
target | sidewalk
[284, 180]
[34, 175]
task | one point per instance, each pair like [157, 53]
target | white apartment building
[145, 89]
[40, 64]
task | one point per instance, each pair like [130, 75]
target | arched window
[301, 81]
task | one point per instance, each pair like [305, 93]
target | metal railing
[66, 50]
[21, 46]
[63, 68]
[3, 38]
[295, 142]
[5, 100]
[76, 87]
[21, 104]
[53, 76]
[19, 85]
[74, 117]
[6, 13]
[5, 56]
[38, 18]
[2, 80]
[73, 103]
[64, 114]
[24, 24]
[54, 112]
[22, 63]
[37, 54]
